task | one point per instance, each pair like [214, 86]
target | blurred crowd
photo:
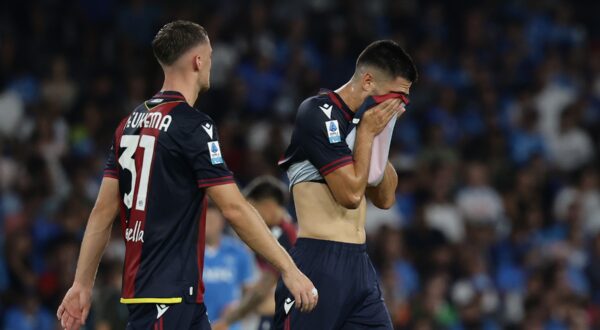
[497, 220]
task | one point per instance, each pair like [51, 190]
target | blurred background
[497, 220]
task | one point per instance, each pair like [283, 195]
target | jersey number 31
[130, 143]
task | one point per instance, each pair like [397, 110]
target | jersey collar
[169, 95]
[337, 100]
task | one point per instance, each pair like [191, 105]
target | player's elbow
[386, 203]
[232, 212]
[350, 201]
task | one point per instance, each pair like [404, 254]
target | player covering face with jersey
[330, 183]
[164, 162]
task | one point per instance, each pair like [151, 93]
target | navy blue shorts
[167, 317]
[349, 292]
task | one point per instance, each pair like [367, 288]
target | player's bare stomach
[321, 217]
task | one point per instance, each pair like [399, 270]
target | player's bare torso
[320, 216]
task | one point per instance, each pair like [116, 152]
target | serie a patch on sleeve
[333, 131]
[215, 153]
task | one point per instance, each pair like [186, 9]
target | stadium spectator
[229, 268]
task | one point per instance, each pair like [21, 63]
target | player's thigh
[141, 316]
[325, 316]
[371, 313]
[379, 320]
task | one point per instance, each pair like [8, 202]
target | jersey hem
[215, 181]
[347, 160]
[174, 300]
[113, 175]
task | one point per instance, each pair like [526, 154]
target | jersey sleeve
[110, 167]
[322, 139]
[203, 151]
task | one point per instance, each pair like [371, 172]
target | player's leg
[141, 316]
[325, 316]
[185, 316]
[371, 313]
[317, 264]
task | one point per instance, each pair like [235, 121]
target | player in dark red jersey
[269, 196]
[330, 178]
[164, 161]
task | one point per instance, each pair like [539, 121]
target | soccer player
[164, 161]
[268, 195]
[329, 185]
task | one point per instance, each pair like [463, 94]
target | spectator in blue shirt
[526, 142]
[228, 267]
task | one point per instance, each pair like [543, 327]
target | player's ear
[368, 82]
[197, 63]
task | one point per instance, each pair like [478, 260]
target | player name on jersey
[154, 120]
[135, 234]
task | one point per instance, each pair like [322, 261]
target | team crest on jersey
[215, 153]
[333, 131]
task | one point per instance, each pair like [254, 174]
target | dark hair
[265, 187]
[176, 38]
[388, 56]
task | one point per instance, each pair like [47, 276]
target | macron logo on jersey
[326, 108]
[162, 308]
[208, 128]
[287, 305]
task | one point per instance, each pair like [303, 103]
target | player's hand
[374, 120]
[305, 294]
[219, 325]
[75, 307]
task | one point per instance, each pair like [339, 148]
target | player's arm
[251, 228]
[384, 194]
[348, 183]
[76, 304]
[251, 300]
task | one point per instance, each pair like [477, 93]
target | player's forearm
[95, 240]
[348, 183]
[248, 224]
[384, 194]
[362, 160]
